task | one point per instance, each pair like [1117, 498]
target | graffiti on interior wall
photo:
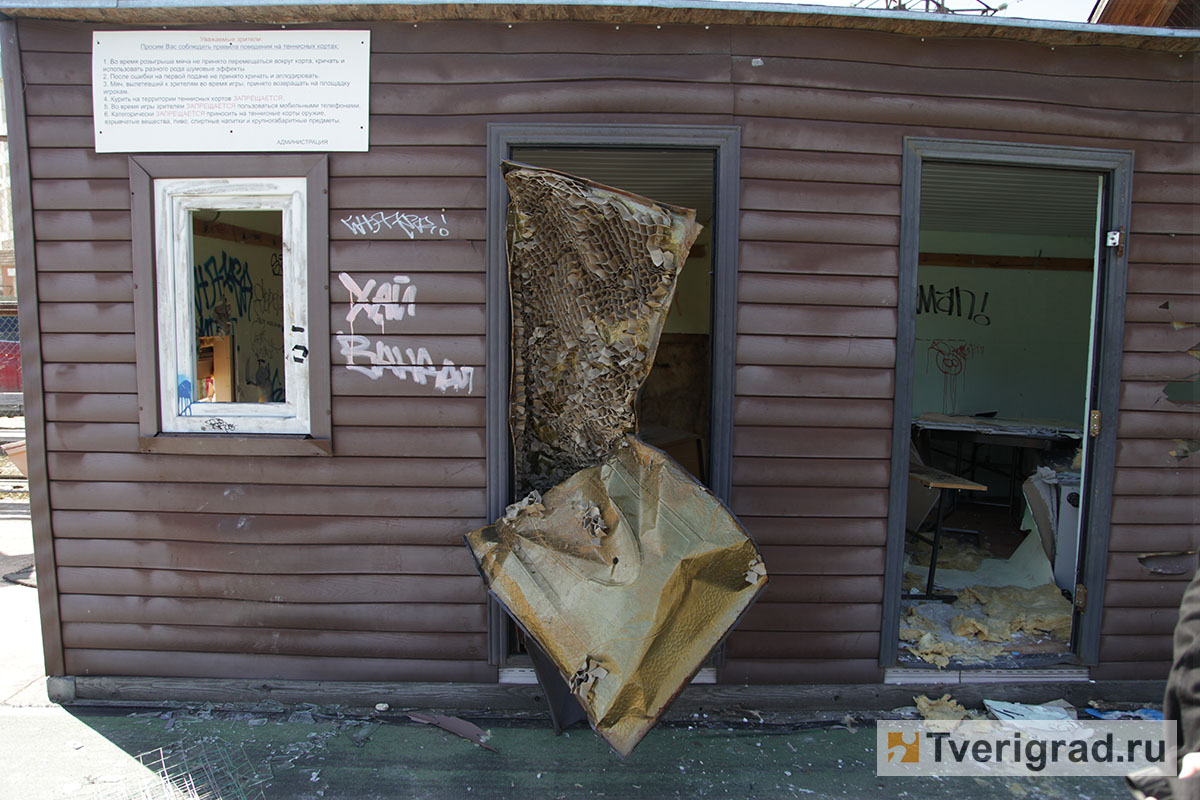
[378, 303]
[411, 225]
[220, 282]
[954, 302]
[949, 357]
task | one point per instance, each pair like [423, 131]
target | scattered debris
[459, 727]
[199, 771]
[382, 707]
[1140, 713]
[953, 554]
[1176, 563]
[943, 708]
[1002, 710]
[1184, 448]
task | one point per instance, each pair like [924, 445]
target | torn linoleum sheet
[627, 574]
[592, 272]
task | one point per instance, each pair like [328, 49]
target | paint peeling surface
[592, 273]
[627, 574]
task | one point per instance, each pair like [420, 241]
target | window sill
[218, 444]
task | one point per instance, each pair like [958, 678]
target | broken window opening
[1002, 385]
[232, 305]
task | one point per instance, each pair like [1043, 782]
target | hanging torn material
[619, 566]
[629, 617]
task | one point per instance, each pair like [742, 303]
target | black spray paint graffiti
[953, 302]
[218, 284]
[950, 357]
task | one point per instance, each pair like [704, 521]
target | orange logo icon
[903, 748]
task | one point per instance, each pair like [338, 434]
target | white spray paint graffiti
[390, 302]
[419, 366]
[412, 225]
[380, 303]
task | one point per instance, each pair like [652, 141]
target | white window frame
[174, 201]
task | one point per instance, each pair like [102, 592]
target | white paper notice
[225, 91]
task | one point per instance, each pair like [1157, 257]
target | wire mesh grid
[202, 771]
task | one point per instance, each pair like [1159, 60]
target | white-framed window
[231, 272]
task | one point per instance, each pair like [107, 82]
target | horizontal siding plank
[1151, 453]
[1143, 594]
[1154, 538]
[805, 320]
[286, 529]
[412, 617]
[822, 589]
[69, 162]
[150, 663]
[431, 318]
[809, 443]
[1157, 482]
[114, 348]
[816, 530]
[814, 671]
[1159, 366]
[105, 225]
[1156, 509]
[86, 255]
[777, 381]
[407, 256]
[410, 412]
[59, 131]
[81, 194]
[407, 162]
[430, 442]
[801, 165]
[869, 106]
[812, 412]
[816, 290]
[334, 644]
[292, 558]
[832, 472]
[1164, 218]
[272, 588]
[1130, 671]
[86, 407]
[236, 498]
[960, 53]
[1164, 248]
[815, 351]
[771, 643]
[828, 197]
[937, 80]
[471, 129]
[1148, 396]
[532, 97]
[785, 226]
[1159, 338]
[408, 192]
[814, 502]
[1144, 278]
[1127, 567]
[1149, 187]
[504, 68]
[1126, 621]
[1135, 648]
[98, 378]
[818, 560]
[85, 287]
[86, 317]
[155, 468]
[92, 436]
[367, 381]
[818, 258]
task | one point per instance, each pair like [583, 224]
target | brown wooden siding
[350, 567]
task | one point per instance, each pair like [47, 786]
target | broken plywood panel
[627, 574]
[592, 272]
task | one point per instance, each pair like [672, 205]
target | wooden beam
[1005, 262]
[235, 233]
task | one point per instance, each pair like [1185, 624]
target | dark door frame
[1117, 168]
[725, 143]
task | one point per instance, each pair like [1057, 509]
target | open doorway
[1003, 378]
[685, 407]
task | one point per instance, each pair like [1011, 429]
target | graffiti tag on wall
[411, 225]
[953, 302]
[378, 303]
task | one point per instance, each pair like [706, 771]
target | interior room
[1001, 374]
